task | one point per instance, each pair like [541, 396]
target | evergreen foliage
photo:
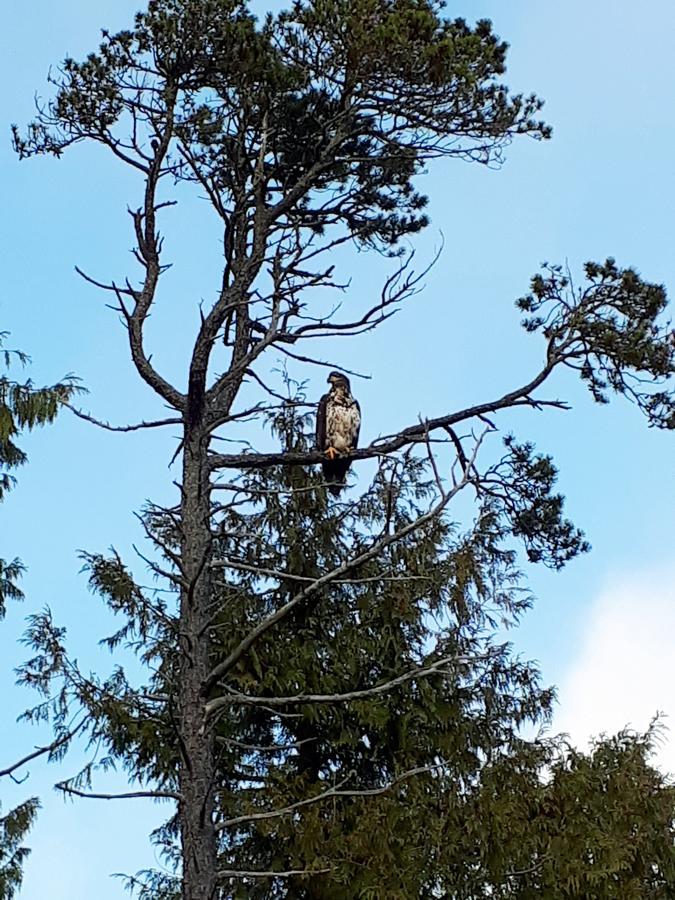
[22, 408]
[487, 814]
[13, 829]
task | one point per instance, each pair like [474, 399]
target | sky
[602, 186]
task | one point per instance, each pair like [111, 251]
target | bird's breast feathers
[342, 424]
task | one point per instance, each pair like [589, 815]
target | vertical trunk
[198, 758]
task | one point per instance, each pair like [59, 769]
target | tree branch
[347, 697]
[159, 423]
[289, 873]
[382, 446]
[379, 545]
[41, 751]
[330, 792]
[131, 795]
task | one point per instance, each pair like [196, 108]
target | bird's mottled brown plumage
[338, 421]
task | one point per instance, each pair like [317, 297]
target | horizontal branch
[308, 579]
[130, 795]
[263, 748]
[335, 791]
[346, 697]
[418, 433]
[159, 423]
[289, 873]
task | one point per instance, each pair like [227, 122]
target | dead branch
[41, 751]
[335, 791]
[130, 795]
[414, 434]
[159, 423]
[222, 874]
[234, 697]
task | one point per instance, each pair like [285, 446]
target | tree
[597, 825]
[22, 407]
[13, 829]
[306, 133]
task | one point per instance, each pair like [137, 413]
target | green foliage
[490, 815]
[450, 832]
[353, 97]
[13, 829]
[556, 822]
[611, 331]
[524, 481]
[23, 407]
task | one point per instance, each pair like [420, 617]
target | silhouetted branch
[41, 751]
[414, 434]
[129, 795]
[159, 423]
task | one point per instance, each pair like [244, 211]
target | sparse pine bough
[22, 408]
[327, 704]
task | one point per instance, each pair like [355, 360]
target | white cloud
[624, 671]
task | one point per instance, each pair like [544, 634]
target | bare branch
[347, 697]
[308, 579]
[335, 791]
[414, 434]
[263, 748]
[159, 423]
[104, 286]
[325, 364]
[131, 795]
[222, 874]
[41, 751]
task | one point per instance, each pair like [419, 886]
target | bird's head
[337, 380]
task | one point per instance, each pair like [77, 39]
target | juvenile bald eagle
[338, 420]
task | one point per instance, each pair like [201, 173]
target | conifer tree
[327, 703]
[13, 829]
[22, 408]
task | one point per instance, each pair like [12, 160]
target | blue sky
[602, 186]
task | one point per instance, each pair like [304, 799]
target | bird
[338, 421]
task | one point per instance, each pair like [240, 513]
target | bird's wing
[357, 429]
[321, 423]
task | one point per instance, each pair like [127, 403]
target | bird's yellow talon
[331, 453]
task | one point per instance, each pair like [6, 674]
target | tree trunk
[198, 757]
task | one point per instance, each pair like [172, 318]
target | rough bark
[197, 750]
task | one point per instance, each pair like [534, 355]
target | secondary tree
[306, 133]
[22, 408]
